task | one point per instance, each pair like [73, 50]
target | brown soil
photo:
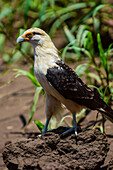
[15, 103]
[51, 152]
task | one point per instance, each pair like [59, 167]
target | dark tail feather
[107, 111]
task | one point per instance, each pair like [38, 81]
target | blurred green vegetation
[87, 26]
[52, 16]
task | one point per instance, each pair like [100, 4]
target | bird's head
[37, 38]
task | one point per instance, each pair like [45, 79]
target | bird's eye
[29, 35]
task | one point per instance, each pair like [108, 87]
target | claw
[71, 129]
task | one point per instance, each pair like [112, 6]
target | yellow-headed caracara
[60, 82]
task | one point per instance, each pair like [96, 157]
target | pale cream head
[40, 41]
[36, 36]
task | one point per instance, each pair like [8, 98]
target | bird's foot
[44, 132]
[69, 129]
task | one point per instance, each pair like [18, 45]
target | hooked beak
[20, 39]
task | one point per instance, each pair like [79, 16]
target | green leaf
[101, 51]
[52, 3]
[80, 69]
[52, 15]
[95, 76]
[79, 36]
[95, 20]
[2, 40]
[32, 70]
[20, 32]
[6, 71]
[20, 72]
[108, 50]
[43, 9]
[58, 22]
[34, 105]
[53, 122]
[81, 115]
[95, 88]
[85, 40]
[108, 98]
[68, 116]
[26, 48]
[26, 13]
[68, 34]
[101, 128]
[15, 57]
[44, 17]
[82, 50]
[84, 18]
[89, 43]
[66, 48]
[39, 125]
[72, 7]
[71, 38]
[6, 57]
[6, 12]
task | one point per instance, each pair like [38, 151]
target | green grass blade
[45, 17]
[81, 69]
[2, 41]
[81, 115]
[39, 125]
[32, 70]
[92, 86]
[95, 20]
[71, 38]
[43, 9]
[82, 50]
[66, 48]
[84, 18]
[15, 57]
[108, 50]
[72, 7]
[20, 72]
[101, 51]
[52, 15]
[85, 39]
[34, 105]
[26, 13]
[20, 32]
[95, 76]
[58, 22]
[81, 34]
[6, 12]
[68, 116]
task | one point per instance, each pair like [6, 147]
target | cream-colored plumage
[68, 90]
[45, 56]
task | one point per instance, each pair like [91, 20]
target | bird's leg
[71, 129]
[103, 123]
[46, 125]
[75, 124]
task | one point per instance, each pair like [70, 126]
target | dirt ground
[50, 151]
[15, 103]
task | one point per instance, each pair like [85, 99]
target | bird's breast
[40, 70]
[49, 89]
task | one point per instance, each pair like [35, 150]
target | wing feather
[68, 84]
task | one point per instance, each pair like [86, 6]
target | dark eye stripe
[36, 33]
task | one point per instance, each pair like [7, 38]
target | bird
[62, 85]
